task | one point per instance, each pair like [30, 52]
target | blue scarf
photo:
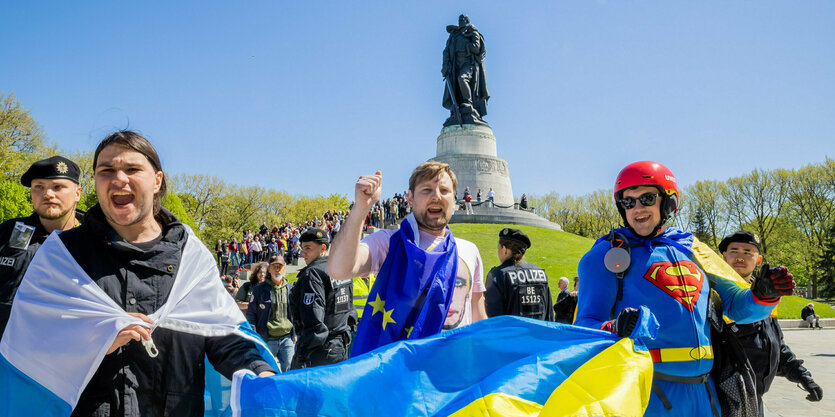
[412, 293]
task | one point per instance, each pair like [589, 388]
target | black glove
[815, 391]
[772, 283]
[626, 322]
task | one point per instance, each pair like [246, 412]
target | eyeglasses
[646, 199]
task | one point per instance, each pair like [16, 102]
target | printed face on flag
[460, 296]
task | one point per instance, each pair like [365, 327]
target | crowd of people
[427, 281]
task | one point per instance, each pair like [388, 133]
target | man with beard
[427, 280]
[763, 340]
[53, 185]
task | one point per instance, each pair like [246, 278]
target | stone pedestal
[470, 150]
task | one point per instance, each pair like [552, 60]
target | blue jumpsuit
[665, 276]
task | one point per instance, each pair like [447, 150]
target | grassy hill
[560, 252]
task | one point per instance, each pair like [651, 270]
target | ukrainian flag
[504, 366]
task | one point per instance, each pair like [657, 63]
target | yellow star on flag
[409, 332]
[387, 318]
[378, 304]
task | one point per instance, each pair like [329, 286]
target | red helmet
[652, 174]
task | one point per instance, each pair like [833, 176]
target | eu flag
[412, 293]
[503, 366]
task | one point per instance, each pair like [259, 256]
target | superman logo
[681, 280]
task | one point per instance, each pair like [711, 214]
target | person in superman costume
[667, 270]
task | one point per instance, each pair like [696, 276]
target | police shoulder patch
[308, 298]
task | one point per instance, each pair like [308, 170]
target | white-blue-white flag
[62, 324]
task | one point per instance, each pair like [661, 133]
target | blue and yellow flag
[504, 366]
[411, 296]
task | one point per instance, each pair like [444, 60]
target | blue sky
[306, 96]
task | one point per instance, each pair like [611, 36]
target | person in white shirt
[431, 194]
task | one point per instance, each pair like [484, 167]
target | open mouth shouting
[121, 199]
[435, 210]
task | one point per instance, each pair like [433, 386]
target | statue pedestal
[470, 150]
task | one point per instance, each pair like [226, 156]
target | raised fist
[367, 190]
[773, 283]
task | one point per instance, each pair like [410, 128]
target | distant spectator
[255, 249]
[219, 250]
[224, 260]
[491, 196]
[808, 314]
[243, 248]
[523, 203]
[228, 285]
[566, 302]
[256, 276]
[468, 205]
[233, 250]
[478, 196]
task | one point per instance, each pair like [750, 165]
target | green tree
[758, 199]
[699, 226]
[704, 199]
[174, 204]
[590, 215]
[812, 210]
[200, 195]
[22, 140]
[826, 264]
[15, 202]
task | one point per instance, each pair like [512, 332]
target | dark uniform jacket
[319, 309]
[13, 261]
[519, 290]
[139, 277]
[768, 354]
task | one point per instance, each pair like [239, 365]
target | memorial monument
[466, 141]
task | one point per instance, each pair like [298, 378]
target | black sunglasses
[646, 199]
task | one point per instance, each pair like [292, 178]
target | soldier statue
[465, 94]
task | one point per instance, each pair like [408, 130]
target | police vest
[361, 291]
[525, 291]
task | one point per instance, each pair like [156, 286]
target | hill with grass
[560, 252]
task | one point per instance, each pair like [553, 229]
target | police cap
[515, 235]
[742, 237]
[314, 235]
[51, 168]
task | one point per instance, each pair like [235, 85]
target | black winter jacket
[258, 316]
[14, 261]
[768, 354]
[139, 279]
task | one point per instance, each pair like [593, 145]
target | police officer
[763, 340]
[517, 287]
[319, 307]
[53, 185]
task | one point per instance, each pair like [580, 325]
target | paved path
[817, 349]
